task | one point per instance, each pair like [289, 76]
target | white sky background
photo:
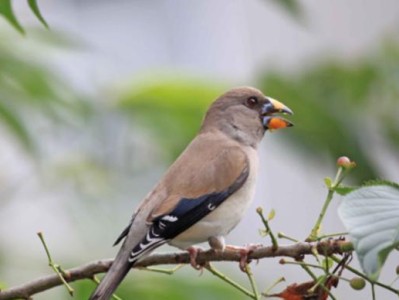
[227, 41]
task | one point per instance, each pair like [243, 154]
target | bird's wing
[211, 169]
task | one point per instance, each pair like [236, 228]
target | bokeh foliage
[29, 89]
[335, 103]
[6, 10]
[172, 108]
[340, 105]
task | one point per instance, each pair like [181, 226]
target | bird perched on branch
[206, 191]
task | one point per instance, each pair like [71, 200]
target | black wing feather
[124, 232]
[186, 213]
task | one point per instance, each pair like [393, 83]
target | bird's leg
[193, 252]
[244, 253]
[217, 243]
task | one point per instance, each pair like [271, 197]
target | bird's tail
[120, 267]
[139, 242]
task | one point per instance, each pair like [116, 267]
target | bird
[206, 191]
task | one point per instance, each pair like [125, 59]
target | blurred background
[93, 111]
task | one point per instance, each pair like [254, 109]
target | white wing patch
[151, 241]
[169, 218]
[211, 206]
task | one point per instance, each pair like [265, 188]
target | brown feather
[224, 149]
[211, 163]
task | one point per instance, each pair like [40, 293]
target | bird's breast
[224, 218]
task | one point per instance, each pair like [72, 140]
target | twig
[315, 230]
[57, 268]
[88, 270]
[282, 235]
[373, 291]
[341, 173]
[163, 271]
[268, 289]
[265, 222]
[252, 282]
[360, 274]
[226, 279]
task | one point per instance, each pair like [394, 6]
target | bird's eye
[252, 101]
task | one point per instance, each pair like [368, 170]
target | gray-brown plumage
[206, 191]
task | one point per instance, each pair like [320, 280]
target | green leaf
[177, 103]
[375, 182]
[327, 263]
[328, 182]
[293, 7]
[271, 215]
[16, 126]
[7, 12]
[371, 216]
[35, 9]
[344, 189]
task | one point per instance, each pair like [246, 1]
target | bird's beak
[269, 120]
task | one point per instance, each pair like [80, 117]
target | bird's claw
[244, 253]
[193, 252]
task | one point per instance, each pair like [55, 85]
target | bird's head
[245, 114]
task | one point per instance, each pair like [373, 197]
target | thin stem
[307, 269]
[267, 290]
[360, 274]
[338, 177]
[397, 277]
[304, 266]
[316, 228]
[315, 231]
[163, 271]
[301, 263]
[57, 268]
[319, 282]
[373, 291]
[226, 279]
[281, 235]
[328, 292]
[315, 253]
[97, 281]
[259, 210]
[252, 281]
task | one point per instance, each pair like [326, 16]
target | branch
[87, 271]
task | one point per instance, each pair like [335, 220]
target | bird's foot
[244, 253]
[193, 252]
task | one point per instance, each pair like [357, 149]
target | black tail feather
[111, 280]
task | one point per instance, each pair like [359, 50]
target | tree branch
[87, 271]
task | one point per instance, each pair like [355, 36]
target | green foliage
[344, 189]
[336, 103]
[15, 126]
[376, 182]
[292, 7]
[172, 109]
[327, 263]
[7, 12]
[29, 90]
[371, 216]
[35, 9]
